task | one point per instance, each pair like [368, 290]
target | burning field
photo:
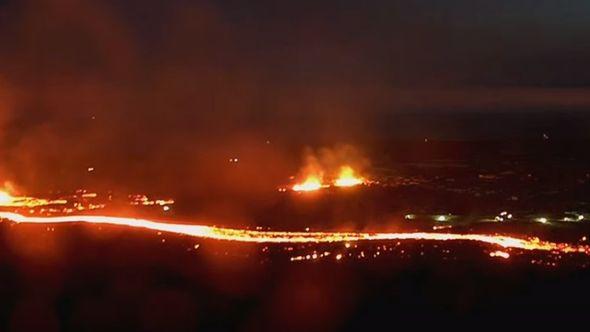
[336, 179]
[336, 217]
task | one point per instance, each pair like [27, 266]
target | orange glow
[255, 236]
[347, 178]
[312, 182]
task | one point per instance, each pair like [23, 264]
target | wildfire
[332, 166]
[311, 183]
[347, 178]
[257, 236]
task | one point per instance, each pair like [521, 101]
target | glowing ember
[501, 254]
[81, 200]
[255, 236]
[311, 183]
[347, 178]
[7, 200]
[145, 201]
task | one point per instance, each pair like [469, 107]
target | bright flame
[311, 183]
[255, 236]
[5, 198]
[347, 178]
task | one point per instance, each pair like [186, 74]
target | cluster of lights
[503, 216]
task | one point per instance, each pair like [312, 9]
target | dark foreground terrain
[77, 278]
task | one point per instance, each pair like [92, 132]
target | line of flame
[246, 235]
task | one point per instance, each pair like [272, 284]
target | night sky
[137, 86]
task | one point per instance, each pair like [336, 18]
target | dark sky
[398, 43]
[149, 82]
